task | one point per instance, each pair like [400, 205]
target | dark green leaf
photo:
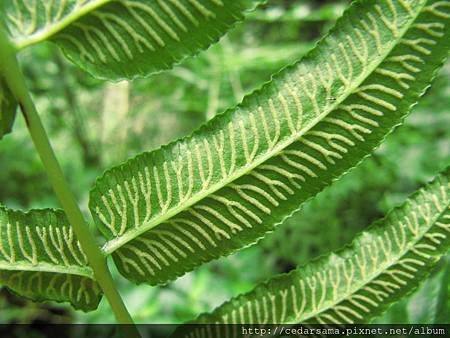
[207, 195]
[41, 259]
[128, 38]
[383, 264]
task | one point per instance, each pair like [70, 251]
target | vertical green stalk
[11, 71]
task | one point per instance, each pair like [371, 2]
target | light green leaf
[383, 264]
[222, 188]
[123, 39]
[8, 108]
[41, 259]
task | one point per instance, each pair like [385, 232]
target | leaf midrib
[46, 33]
[114, 244]
[47, 267]
[379, 271]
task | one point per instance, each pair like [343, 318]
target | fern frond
[352, 285]
[123, 39]
[167, 211]
[41, 259]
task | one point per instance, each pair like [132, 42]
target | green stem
[11, 71]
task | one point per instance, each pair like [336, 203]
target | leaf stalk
[10, 70]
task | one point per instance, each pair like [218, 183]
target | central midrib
[47, 267]
[44, 34]
[379, 271]
[116, 243]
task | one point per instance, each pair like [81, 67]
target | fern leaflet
[123, 39]
[41, 259]
[383, 264]
[167, 211]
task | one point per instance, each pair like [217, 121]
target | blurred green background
[94, 125]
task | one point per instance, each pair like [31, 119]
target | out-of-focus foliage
[8, 106]
[94, 125]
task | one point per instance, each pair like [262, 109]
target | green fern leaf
[41, 259]
[127, 38]
[167, 211]
[8, 108]
[383, 264]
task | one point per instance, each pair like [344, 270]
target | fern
[384, 263]
[123, 39]
[204, 196]
[165, 212]
[41, 259]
